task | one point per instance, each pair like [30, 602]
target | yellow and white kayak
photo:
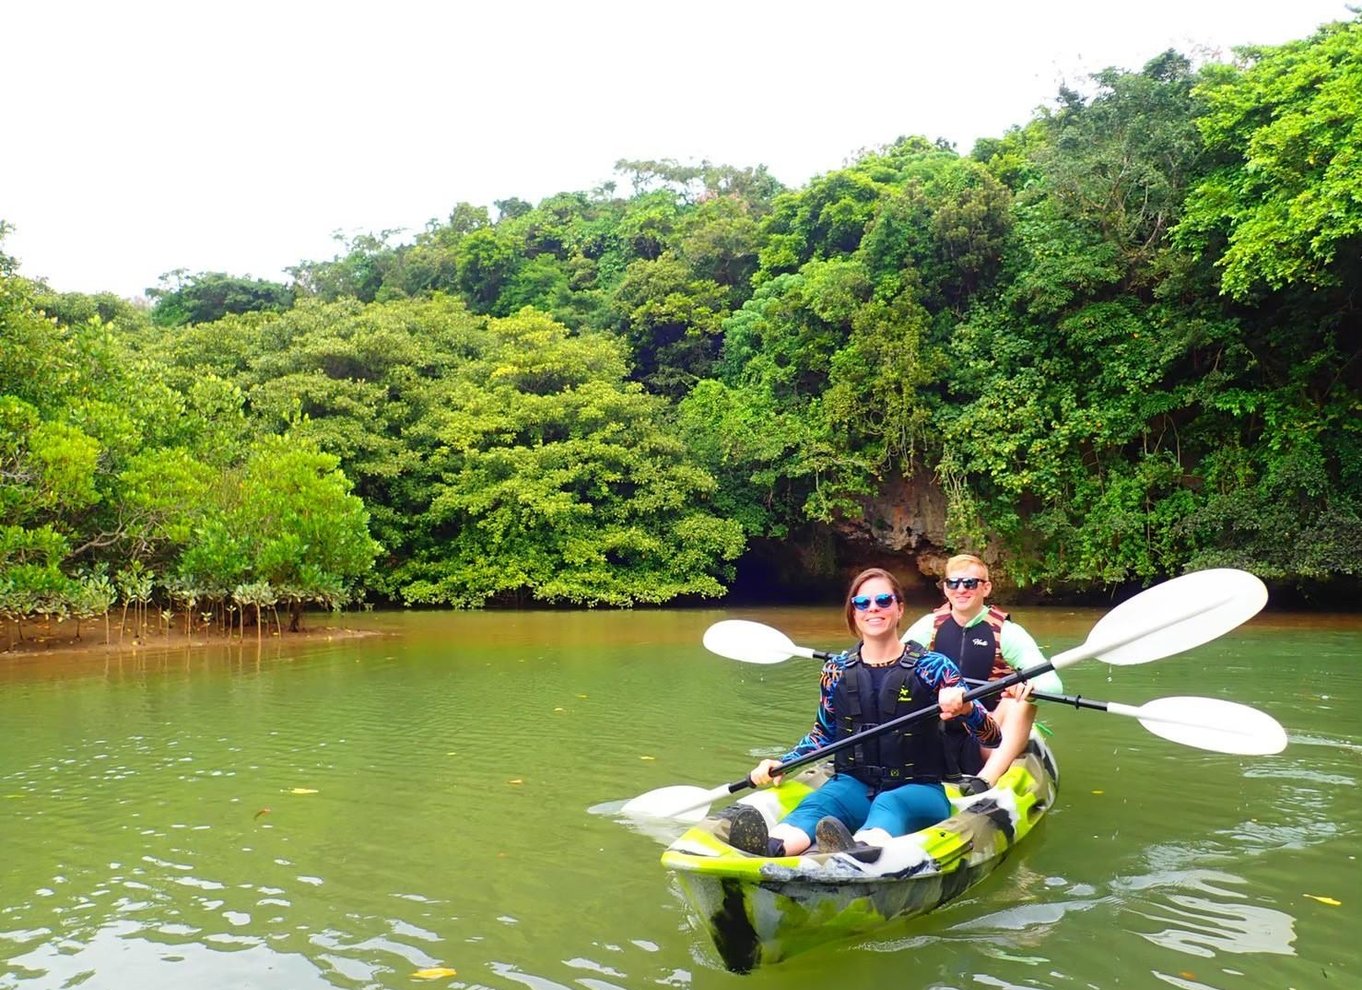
[759, 910]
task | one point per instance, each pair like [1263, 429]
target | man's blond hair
[963, 560]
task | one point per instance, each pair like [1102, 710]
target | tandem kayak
[759, 910]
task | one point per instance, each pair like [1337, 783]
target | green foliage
[72, 308]
[555, 480]
[825, 394]
[829, 217]
[308, 535]
[878, 397]
[1104, 188]
[471, 445]
[359, 273]
[705, 181]
[164, 492]
[62, 461]
[1283, 207]
[101, 471]
[1120, 165]
[718, 240]
[31, 578]
[672, 322]
[940, 233]
[1111, 421]
[836, 348]
[205, 297]
[486, 262]
[285, 517]
[350, 379]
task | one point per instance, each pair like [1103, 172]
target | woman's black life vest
[897, 757]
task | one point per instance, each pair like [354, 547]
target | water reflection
[1203, 913]
[1218, 921]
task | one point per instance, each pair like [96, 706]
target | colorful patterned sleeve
[941, 672]
[981, 723]
[825, 722]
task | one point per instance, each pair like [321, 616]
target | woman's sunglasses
[970, 583]
[862, 602]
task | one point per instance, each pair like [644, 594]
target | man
[986, 645]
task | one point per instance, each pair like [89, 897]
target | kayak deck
[758, 910]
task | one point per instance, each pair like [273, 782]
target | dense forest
[1118, 342]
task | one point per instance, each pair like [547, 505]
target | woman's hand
[1021, 691]
[761, 773]
[952, 702]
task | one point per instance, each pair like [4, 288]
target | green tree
[672, 322]
[205, 297]
[285, 517]
[32, 581]
[556, 480]
[359, 272]
[1282, 206]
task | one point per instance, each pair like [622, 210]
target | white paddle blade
[750, 642]
[680, 802]
[1210, 723]
[1177, 615]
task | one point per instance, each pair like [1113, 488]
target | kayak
[759, 910]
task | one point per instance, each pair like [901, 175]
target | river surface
[381, 811]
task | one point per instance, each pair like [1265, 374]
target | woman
[890, 784]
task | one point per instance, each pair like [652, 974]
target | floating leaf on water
[647, 757]
[581, 696]
[1324, 900]
[262, 811]
[1099, 792]
[517, 780]
[560, 709]
[303, 790]
[434, 973]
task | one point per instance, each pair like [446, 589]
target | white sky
[138, 137]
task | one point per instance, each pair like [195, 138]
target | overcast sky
[140, 137]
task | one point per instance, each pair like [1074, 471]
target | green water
[462, 768]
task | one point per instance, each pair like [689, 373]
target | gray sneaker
[748, 832]
[833, 836]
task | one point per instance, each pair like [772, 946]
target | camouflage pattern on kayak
[759, 910]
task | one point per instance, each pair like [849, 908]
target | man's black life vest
[977, 651]
[899, 756]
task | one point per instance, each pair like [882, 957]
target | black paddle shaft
[983, 691]
[1076, 700]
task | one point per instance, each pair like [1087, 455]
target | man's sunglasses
[862, 602]
[970, 583]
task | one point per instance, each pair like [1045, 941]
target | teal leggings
[900, 811]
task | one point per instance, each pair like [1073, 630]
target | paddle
[1205, 723]
[1168, 618]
